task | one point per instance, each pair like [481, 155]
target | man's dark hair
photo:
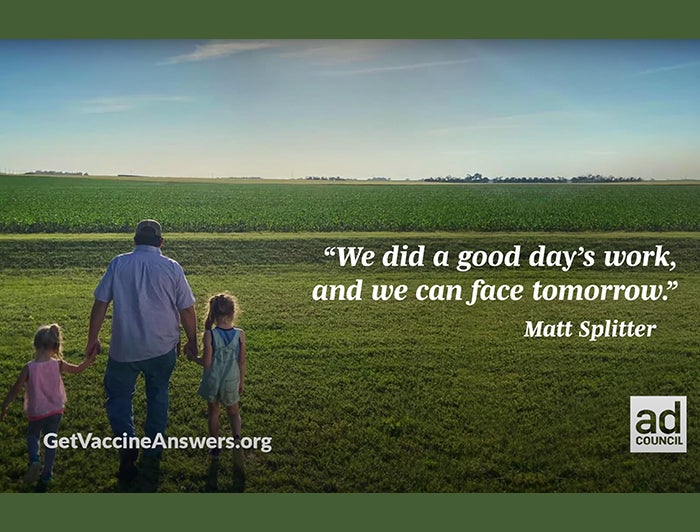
[147, 236]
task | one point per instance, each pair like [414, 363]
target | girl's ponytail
[220, 305]
[209, 320]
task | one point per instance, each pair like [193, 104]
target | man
[151, 299]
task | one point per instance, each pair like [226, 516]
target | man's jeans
[120, 385]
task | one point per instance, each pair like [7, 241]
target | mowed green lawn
[365, 396]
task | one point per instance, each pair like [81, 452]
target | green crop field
[370, 396]
[31, 204]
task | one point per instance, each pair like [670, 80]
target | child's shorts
[220, 388]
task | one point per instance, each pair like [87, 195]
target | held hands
[92, 349]
[90, 359]
[191, 350]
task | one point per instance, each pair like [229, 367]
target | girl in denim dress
[223, 360]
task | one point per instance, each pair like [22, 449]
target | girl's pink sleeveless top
[44, 395]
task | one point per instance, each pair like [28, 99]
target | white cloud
[338, 52]
[538, 116]
[218, 49]
[412, 66]
[679, 66]
[519, 120]
[477, 125]
[118, 104]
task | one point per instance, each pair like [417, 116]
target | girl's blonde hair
[50, 337]
[220, 306]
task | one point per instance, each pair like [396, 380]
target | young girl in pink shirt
[44, 397]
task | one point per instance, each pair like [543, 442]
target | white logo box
[658, 424]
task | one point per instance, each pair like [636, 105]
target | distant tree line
[469, 178]
[478, 178]
[603, 179]
[53, 172]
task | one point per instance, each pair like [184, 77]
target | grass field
[34, 204]
[365, 396]
[369, 396]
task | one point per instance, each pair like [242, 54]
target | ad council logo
[658, 424]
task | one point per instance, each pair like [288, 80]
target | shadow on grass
[238, 476]
[212, 482]
[146, 480]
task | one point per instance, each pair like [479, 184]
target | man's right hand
[92, 348]
[191, 349]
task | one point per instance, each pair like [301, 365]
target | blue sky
[354, 108]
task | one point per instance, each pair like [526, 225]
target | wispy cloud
[601, 152]
[119, 104]
[560, 114]
[668, 68]
[325, 53]
[518, 120]
[392, 68]
[478, 124]
[218, 49]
